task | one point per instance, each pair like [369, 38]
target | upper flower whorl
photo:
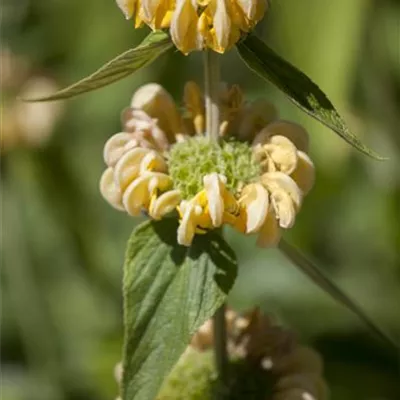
[197, 24]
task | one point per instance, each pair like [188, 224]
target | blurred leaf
[169, 292]
[155, 44]
[300, 89]
[326, 284]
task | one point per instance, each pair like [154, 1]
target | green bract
[191, 160]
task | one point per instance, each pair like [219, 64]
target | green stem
[221, 356]
[211, 89]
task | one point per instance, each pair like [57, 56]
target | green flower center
[190, 161]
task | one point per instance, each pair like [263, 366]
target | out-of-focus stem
[212, 82]
[221, 357]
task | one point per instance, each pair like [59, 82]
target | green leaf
[300, 89]
[326, 284]
[169, 292]
[155, 44]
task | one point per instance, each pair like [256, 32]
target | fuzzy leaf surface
[155, 44]
[300, 89]
[169, 292]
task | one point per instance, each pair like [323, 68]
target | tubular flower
[265, 362]
[198, 24]
[254, 179]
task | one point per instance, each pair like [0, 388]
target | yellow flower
[254, 180]
[282, 146]
[209, 209]
[142, 191]
[198, 24]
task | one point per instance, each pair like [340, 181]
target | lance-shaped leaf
[300, 89]
[326, 284]
[155, 44]
[169, 292]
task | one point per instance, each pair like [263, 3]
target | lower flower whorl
[257, 188]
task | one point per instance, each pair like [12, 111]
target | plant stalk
[211, 89]
[221, 356]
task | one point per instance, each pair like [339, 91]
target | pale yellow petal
[127, 168]
[136, 196]
[194, 103]
[153, 161]
[150, 8]
[187, 226]
[159, 104]
[304, 174]
[164, 204]
[116, 146]
[261, 7]
[157, 181]
[296, 133]
[270, 233]
[214, 191]
[238, 16]
[109, 190]
[184, 26]
[255, 200]
[221, 23]
[127, 7]
[248, 7]
[284, 154]
[144, 129]
[284, 208]
[134, 120]
[254, 10]
[273, 181]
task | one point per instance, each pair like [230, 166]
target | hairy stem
[211, 88]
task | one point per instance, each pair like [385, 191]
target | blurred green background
[63, 246]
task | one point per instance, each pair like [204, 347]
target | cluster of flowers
[294, 371]
[285, 368]
[197, 24]
[142, 159]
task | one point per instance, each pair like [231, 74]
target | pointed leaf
[326, 284]
[169, 292]
[300, 89]
[155, 44]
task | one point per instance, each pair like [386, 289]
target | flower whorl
[197, 24]
[254, 180]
